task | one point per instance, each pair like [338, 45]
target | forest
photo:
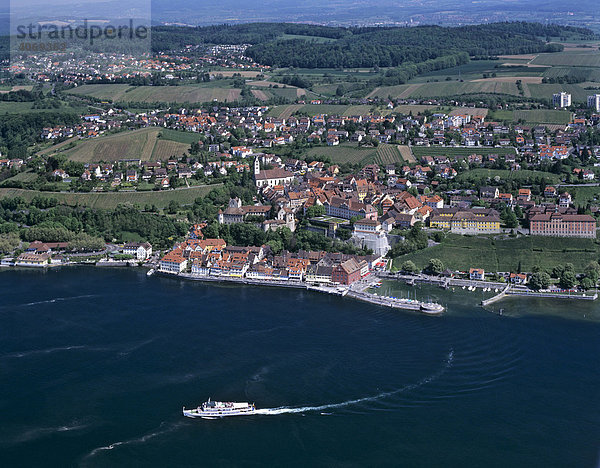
[390, 47]
[22, 130]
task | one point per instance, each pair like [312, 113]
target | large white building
[368, 233]
[594, 102]
[561, 99]
[141, 251]
[271, 177]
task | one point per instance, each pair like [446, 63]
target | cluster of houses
[212, 257]
[43, 254]
[106, 66]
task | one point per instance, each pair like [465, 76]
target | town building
[347, 272]
[173, 262]
[477, 274]
[593, 101]
[271, 177]
[141, 251]
[349, 208]
[562, 225]
[33, 259]
[561, 99]
[369, 234]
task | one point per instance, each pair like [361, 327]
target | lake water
[96, 365]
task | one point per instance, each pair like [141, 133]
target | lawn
[112, 199]
[464, 252]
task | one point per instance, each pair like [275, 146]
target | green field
[546, 90]
[111, 199]
[388, 154]
[27, 176]
[543, 116]
[583, 195]
[345, 153]
[285, 111]
[464, 252]
[26, 107]
[143, 144]
[420, 151]
[534, 116]
[446, 88]
[184, 93]
[505, 174]
[583, 58]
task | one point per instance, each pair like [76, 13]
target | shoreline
[360, 294]
[340, 290]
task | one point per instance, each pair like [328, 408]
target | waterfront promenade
[358, 291]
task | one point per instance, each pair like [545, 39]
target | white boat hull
[220, 411]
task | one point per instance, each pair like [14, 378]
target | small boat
[219, 409]
[150, 272]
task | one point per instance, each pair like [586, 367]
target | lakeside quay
[503, 290]
[358, 294]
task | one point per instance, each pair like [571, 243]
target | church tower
[256, 166]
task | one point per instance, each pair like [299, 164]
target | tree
[435, 266]
[276, 245]
[409, 267]
[592, 271]
[587, 283]
[539, 280]
[509, 218]
[314, 211]
[173, 207]
[87, 243]
[568, 280]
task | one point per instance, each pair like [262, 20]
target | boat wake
[379, 396]
[56, 299]
[38, 433]
[163, 429]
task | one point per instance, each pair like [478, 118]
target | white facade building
[561, 99]
[593, 101]
[368, 233]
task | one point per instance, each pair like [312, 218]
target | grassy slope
[143, 144]
[346, 152]
[112, 199]
[464, 252]
[420, 151]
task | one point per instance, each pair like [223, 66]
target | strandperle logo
[83, 32]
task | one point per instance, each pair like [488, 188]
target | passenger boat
[219, 409]
[431, 308]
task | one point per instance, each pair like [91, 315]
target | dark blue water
[96, 364]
